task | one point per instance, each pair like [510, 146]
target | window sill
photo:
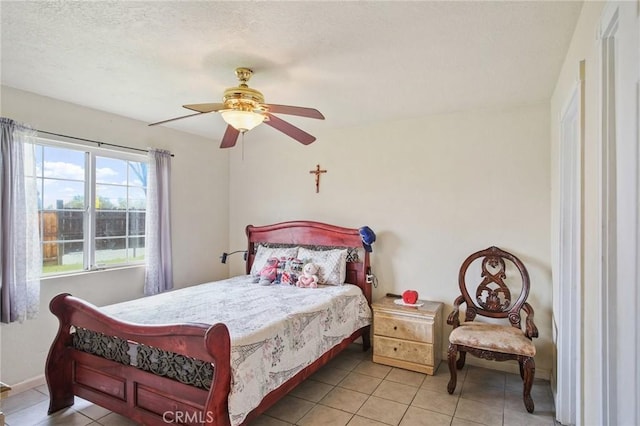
[93, 271]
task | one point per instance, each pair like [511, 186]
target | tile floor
[350, 390]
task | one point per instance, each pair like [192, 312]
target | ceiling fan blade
[176, 118]
[296, 110]
[205, 107]
[289, 130]
[230, 137]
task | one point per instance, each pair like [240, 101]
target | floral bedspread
[275, 330]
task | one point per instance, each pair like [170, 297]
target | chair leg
[529, 367]
[461, 360]
[521, 362]
[452, 355]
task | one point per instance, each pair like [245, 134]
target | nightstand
[407, 337]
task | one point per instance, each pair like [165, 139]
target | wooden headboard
[308, 233]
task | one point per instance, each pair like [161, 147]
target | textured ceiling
[357, 62]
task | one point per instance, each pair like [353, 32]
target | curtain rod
[92, 141]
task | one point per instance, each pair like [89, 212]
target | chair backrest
[492, 296]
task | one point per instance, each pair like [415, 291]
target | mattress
[275, 331]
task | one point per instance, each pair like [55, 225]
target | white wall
[434, 190]
[200, 217]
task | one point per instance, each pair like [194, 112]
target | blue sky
[68, 167]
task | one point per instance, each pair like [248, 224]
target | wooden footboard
[143, 396]
[139, 395]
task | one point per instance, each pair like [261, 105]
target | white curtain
[20, 252]
[159, 270]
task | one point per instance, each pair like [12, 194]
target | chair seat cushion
[492, 337]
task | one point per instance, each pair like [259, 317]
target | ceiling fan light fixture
[243, 109]
[242, 121]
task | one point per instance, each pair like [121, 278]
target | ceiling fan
[243, 108]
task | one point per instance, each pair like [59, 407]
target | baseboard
[26, 385]
[4, 388]
[506, 366]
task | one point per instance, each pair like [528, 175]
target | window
[91, 207]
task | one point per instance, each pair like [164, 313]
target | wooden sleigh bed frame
[145, 397]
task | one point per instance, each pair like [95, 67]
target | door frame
[619, 239]
[570, 250]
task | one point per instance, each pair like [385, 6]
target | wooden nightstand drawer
[420, 353]
[401, 328]
[407, 337]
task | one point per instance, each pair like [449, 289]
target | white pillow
[332, 263]
[264, 253]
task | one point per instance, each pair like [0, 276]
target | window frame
[89, 238]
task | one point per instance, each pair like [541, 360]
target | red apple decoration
[410, 297]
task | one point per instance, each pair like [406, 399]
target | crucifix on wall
[317, 172]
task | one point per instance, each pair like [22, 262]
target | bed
[195, 363]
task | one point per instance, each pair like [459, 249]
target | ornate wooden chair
[492, 298]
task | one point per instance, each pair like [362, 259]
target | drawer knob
[395, 349]
[395, 327]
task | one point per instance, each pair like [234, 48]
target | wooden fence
[62, 230]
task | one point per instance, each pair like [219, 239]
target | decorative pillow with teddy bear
[280, 271]
[309, 277]
[269, 271]
[291, 270]
[263, 253]
[332, 264]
